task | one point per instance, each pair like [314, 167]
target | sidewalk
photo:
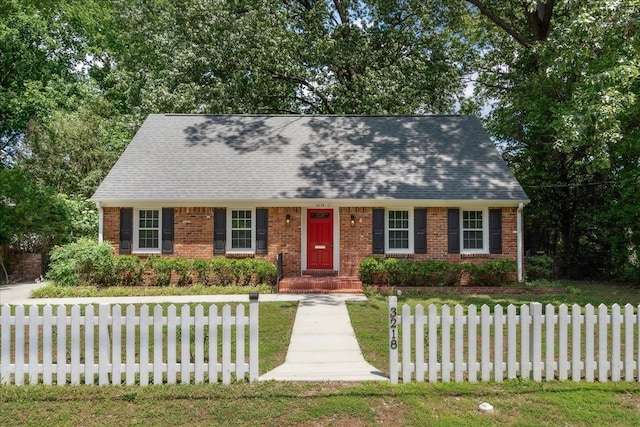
[323, 344]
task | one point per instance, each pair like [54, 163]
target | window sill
[145, 252]
[239, 255]
[405, 255]
[475, 255]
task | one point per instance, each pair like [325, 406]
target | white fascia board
[307, 203]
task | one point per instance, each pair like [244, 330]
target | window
[474, 235]
[148, 230]
[399, 235]
[241, 230]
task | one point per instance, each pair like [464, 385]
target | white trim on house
[410, 229]
[311, 203]
[136, 249]
[229, 230]
[485, 230]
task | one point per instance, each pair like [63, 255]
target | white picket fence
[525, 342]
[52, 346]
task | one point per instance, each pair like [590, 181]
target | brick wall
[193, 236]
[286, 238]
[25, 266]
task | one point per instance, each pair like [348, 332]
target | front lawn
[522, 403]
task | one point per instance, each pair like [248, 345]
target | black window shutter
[495, 231]
[420, 231]
[167, 230]
[126, 230]
[262, 224]
[453, 231]
[378, 231]
[219, 230]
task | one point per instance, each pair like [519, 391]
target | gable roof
[210, 158]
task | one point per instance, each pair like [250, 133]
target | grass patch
[369, 319]
[274, 403]
[56, 291]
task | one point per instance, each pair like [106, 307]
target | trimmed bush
[160, 270]
[399, 272]
[85, 262]
[491, 273]
[128, 270]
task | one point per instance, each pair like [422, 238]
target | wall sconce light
[353, 220]
[287, 219]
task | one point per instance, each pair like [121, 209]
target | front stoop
[320, 285]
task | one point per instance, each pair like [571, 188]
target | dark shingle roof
[243, 157]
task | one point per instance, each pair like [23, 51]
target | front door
[320, 239]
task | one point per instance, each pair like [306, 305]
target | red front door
[320, 239]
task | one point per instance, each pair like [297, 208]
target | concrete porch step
[320, 285]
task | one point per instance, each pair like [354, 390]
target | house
[325, 191]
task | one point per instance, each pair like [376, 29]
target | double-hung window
[474, 231]
[147, 230]
[241, 230]
[399, 231]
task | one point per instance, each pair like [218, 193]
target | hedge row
[88, 263]
[399, 272]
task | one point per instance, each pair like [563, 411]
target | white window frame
[388, 250]
[485, 231]
[136, 232]
[230, 249]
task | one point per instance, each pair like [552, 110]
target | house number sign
[393, 324]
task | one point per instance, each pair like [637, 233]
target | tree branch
[306, 84]
[509, 29]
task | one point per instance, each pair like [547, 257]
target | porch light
[287, 219]
[353, 220]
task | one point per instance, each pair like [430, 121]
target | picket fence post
[393, 339]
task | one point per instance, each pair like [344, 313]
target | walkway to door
[323, 344]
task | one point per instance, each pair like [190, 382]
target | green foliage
[230, 271]
[539, 267]
[491, 273]
[400, 272]
[160, 270]
[128, 270]
[32, 217]
[84, 262]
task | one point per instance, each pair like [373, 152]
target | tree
[32, 217]
[564, 79]
[274, 56]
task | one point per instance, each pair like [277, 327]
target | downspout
[519, 244]
[100, 222]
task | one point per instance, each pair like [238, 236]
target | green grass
[517, 402]
[369, 319]
[520, 403]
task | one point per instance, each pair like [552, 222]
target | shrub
[128, 270]
[202, 268]
[84, 262]
[492, 272]
[372, 271]
[184, 270]
[160, 270]
[539, 267]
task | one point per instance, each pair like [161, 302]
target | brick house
[325, 191]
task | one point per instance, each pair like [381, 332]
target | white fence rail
[524, 342]
[55, 345]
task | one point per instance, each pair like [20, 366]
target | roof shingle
[246, 157]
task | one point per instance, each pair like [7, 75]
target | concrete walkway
[323, 344]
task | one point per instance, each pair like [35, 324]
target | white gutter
[100, 223]
[519, 244]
